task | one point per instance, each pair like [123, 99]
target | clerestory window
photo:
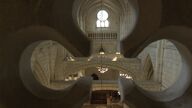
[102, 19]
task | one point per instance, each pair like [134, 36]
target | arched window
[102, 19]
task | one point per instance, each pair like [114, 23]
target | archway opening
[41, 69]
[175, 70]
[161, 63]
[47, 64]
[95, 76]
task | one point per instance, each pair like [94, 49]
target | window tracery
[102, 19]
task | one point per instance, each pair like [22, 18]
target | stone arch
[13, 87]
[131, 66]
[174, 34]
[33, 85]
[164, 66]
[26, 75]
[128, 10]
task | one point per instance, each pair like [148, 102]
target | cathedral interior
[95, 54]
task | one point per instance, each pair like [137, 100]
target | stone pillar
[159, 61]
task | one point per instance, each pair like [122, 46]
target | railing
[104, 85]
[102, 35]
[109, 84]
[113, 105]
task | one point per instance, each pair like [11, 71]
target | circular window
[102, 15]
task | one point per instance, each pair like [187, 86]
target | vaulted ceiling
[23, 22]
[57, 14]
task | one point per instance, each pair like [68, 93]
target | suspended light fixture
[102, 68]
[101, 50]
[68, 58]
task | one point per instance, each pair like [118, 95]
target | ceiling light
[126, 76]
[114, 59]
[102, 69]
[101, 50]
[118, 53]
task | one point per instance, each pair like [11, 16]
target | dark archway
[95, 76]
